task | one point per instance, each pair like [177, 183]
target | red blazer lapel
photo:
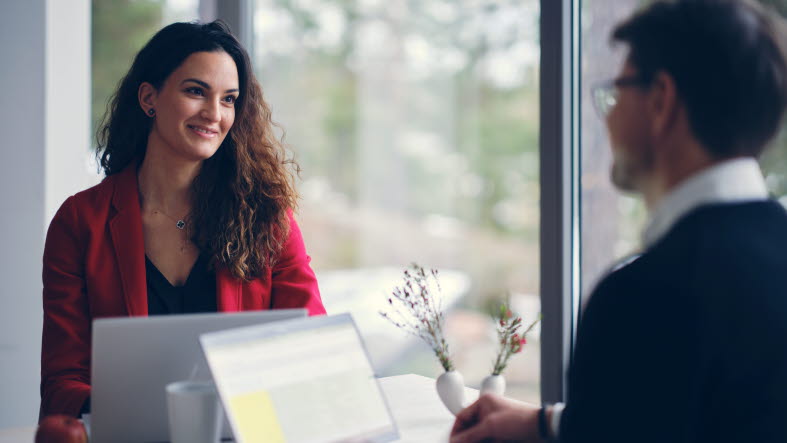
[126, 230]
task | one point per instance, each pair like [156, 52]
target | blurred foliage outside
[419, 119]
[416, 124]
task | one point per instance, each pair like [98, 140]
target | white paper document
[306, 380]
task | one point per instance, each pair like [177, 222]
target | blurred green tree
[119, 30]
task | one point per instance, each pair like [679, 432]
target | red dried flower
[512, 337]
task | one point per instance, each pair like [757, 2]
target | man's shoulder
[716, 251]
[726, 237]
[727, 224]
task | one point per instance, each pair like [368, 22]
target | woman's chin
[199, 153]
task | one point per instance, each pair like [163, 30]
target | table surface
[419, 414]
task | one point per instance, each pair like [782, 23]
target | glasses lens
[610, 100]
[605, 98]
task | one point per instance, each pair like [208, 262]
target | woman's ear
[147, 96]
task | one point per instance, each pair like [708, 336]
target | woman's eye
[230, 99]
[195, 91]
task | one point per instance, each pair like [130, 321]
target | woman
[194, 214]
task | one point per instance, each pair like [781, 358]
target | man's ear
[663, 103]
[147, 95]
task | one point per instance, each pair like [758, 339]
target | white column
[22, 125]
[44, 122]
[70, 161]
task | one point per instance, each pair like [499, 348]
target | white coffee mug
[195, 413]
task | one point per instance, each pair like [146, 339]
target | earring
[151, 112]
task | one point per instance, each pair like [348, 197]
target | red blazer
[94, 266]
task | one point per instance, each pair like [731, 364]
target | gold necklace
[179, 223]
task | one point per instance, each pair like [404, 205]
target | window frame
[560, 205]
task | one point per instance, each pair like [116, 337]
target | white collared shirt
[732, 181]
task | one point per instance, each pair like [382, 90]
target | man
[687, 343]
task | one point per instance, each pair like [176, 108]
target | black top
[688, 343]
[198, 294]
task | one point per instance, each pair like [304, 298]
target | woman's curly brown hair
[243, 193]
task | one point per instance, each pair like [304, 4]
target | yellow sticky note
[256, 419]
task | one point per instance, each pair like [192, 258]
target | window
[416, 126]
[774, 162]
[120, 29]
[611, 221]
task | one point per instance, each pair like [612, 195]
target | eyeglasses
[605, 94]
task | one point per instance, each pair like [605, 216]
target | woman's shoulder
[95, 197]
[96, 201]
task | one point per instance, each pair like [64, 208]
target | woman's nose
[211, 111]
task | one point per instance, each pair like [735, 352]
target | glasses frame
[605, 94]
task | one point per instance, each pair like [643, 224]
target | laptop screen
[134, 358]
[306, 380]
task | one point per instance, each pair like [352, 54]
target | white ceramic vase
[493, 384]
[451, 389]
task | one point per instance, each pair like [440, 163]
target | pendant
[180, 224]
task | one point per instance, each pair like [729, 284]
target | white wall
[70, 165]
[44, 125]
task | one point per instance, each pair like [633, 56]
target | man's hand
[497, 419]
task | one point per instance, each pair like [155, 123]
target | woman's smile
[203, 131]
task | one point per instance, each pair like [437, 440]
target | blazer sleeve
[603, 378]
[294, 284]
[65, 345]
[625, 376]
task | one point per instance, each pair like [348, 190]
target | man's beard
[629, 170]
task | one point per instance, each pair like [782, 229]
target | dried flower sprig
[511, 338]
[417, 310]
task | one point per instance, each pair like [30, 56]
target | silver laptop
[298, 381]
[135, 358]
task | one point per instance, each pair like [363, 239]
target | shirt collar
[732, 181]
